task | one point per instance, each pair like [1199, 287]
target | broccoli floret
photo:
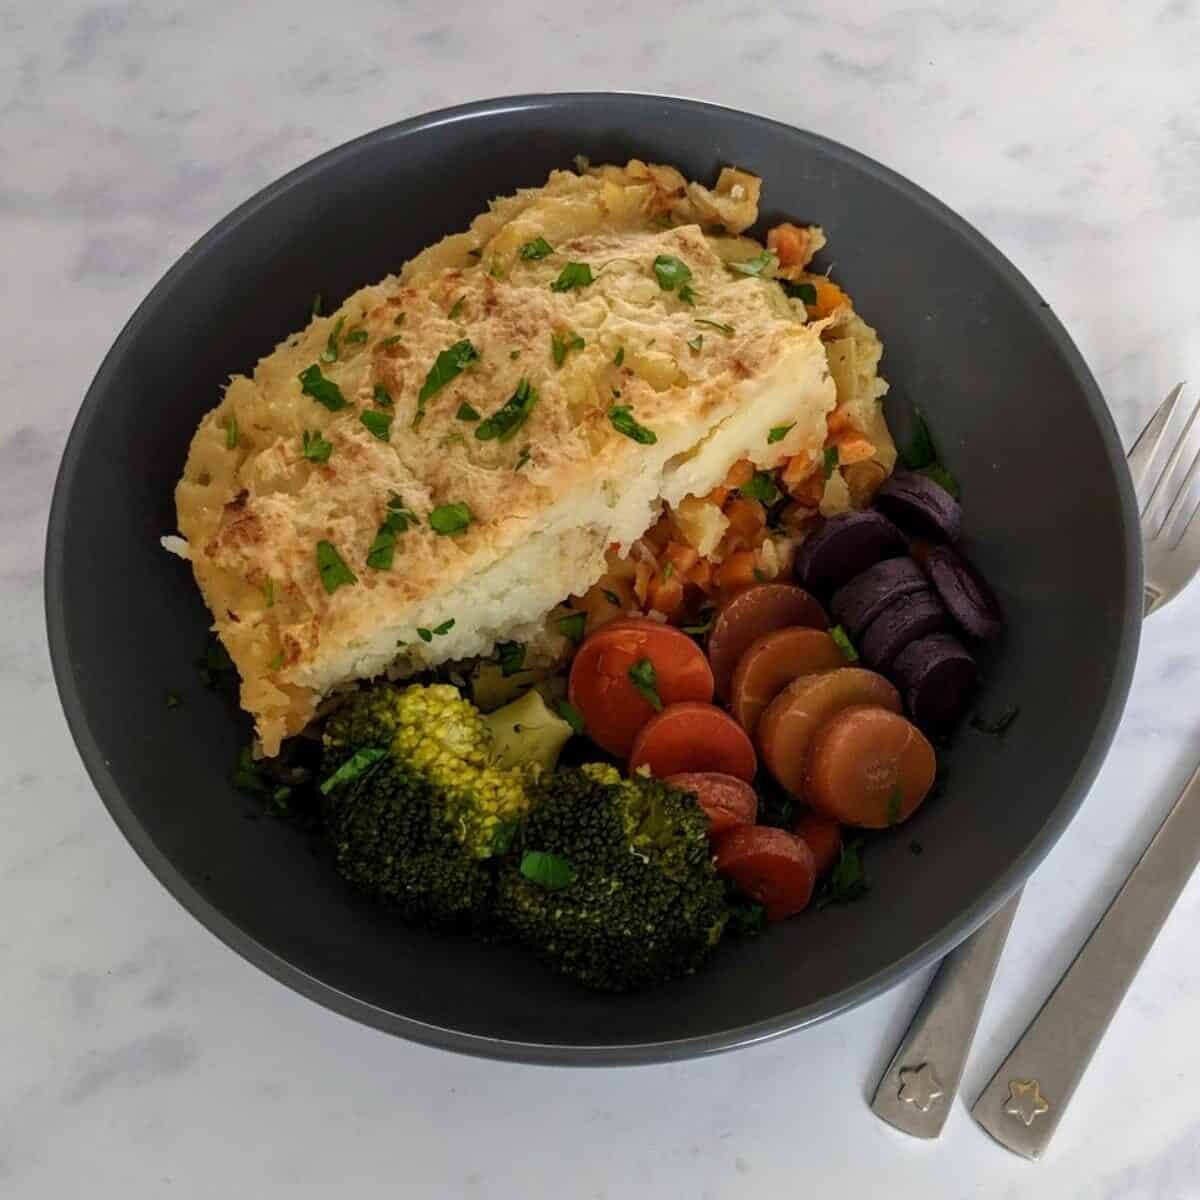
[417, 798]
[636, 900]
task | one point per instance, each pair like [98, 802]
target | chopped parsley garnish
[398, 516]
[503, 834]
[754, 266]
[382, 550]
[561, 343]
[276, 661]
[514, 355]
[997, 726]
[687, 295]
[400, 317]
[173, 700]
[231, 432]
[394, 340]
[779, 432]
[269, 592]
[550, 871]
[360, 763]
[847, 881]
[611, 597]
[380, 424]
[761, 575]
[382, 396]
[214, 663]
[573, 275]
[467, 412]
[357, 336]
[921, 455]
[506, 420]
[643, 677]
[719, 326]
[571, 715]
[315, 311]
[799, 291]
[698, 630]
[330, 353]
[332, 568]
[621, 416]
[572, 627]
[323, 391]
[829, 461]
[895, 804]
[696, 343]
[747, 917]
[668, 570]
[619, 357]
[425, 635]
[444, 628]
[761, 486]
[511, 656]
[456, 308]
[538, 248]
[671, 272]
[449, 519]
[943, 478]
[448, 365]
[522, 458]
[842, 640]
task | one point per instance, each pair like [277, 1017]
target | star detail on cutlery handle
[919, 1086]
[1025, 1101]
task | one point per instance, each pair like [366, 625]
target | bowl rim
[552, 1053]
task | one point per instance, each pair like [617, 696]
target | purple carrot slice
[845, 546]
[919, 506]
[905, 620]
[963, 591]
[937, 677]
[861, 600]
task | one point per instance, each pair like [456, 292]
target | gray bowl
[1049, 515]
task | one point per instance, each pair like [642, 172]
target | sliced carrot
[693, 736]
[614, 709]
[770, 865]
[727, 801]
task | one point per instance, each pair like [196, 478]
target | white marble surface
[139, 1057]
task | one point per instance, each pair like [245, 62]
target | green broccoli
[611, 881]
[421, 790]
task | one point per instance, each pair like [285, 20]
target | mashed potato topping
[570, 395]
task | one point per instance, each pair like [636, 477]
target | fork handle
[1026, 1098]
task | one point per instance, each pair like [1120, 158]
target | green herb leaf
[400, 318]
[382, 396]
[276, 661]
[522, 458]
[668, 570]
[747, 917]
[671, 272]
[997, 726]
[573, 275]
[514, 355]
[502, 836]
[382, 550]
[231, 432]
[779, 432]
[214, 663]
[920, 452]
[550, 871]
[511, 656]
[643, 677]
[559, 345]
[572, 627]
[895, 805]
[399, 518]
[538, 248]
[332, 568]
[315, 311]
[456, 308]
[394, 340]
[424, 634]
[330, 353]
[847, 881]
[799, 291]
[687, 295]
[611, 597]
[269, 592]
[696, 343]
[571, 715]
[698, 630]
[719, 326]
[844, 644]
[619, 357]
[943, 478]
[356, 336]
[444, 628]
[172, 700]
[761, 486]
[247, 775]
[621, 416]
[448, 365]
[380, 424]
[323, 391]
[755, 266]
[761, 575]
[829, 461]
[506, 420]
[360, 764]
[450, 519]
[467, 412]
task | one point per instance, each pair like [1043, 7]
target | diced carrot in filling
[839, 420]
[796, 470]
[852, 448]
[681, 556]
[701, 575]
[665, 595]
[747, 518]
[791, 244]
[741, 472]
[737, 571]
[829, 297]
[809, 490]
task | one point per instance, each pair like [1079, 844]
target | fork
[917, 1090]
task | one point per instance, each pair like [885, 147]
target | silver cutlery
[917, 1090]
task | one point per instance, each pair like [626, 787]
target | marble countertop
[140, 1057]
